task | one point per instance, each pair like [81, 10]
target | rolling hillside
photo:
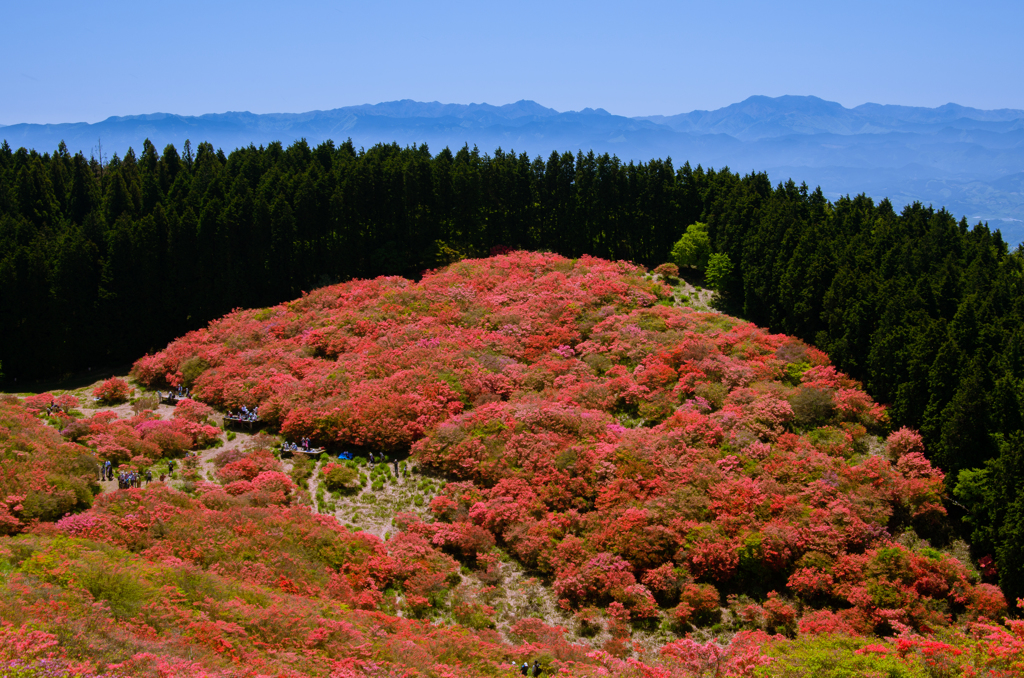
[693, 494]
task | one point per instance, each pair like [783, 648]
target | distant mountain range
[968, 160]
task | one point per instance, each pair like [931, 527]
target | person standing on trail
[394, 462]
[170, 466]
[536, 667]
[149, 476]
[524, 669]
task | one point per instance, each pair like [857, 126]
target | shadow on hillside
[69, 382]
[692, 276]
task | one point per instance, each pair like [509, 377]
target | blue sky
[84, 61]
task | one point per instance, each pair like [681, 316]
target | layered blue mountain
[971, 161]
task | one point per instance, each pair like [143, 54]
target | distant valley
[971, 161]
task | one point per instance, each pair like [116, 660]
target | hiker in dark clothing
[372, 458]
[170, 466]
[536, 667]
[524, 669]
[149, 476]
[394, 463]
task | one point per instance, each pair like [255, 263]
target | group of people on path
[383, 459]
[125, 479]
[133, 479]
[180, 394]
[130, 479]
[525, 668]
[301, 446]
[245, 414]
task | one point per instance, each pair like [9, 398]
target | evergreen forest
[104, 262]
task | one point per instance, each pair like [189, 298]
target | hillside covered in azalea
[696, 495]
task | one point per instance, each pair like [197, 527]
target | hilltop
[612, 481]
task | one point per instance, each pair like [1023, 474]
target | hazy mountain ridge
[759, 116]
[960, 157]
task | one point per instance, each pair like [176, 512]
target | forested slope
[106, 263]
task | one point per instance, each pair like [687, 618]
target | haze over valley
[968, 160]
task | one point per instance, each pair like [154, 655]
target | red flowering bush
[42, 477]
[248, 465]
[740, 657]
[667, 270]
[113, 390]
[193, 411]
[273, 481]
[166, 435]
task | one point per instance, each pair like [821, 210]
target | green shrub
[836, 656]
[694, 248]
[811, 406]
[301, 470]
[114, 584]
[473, 615]
[340, 478]
[714, 393]
[719, 271]
[192, 368]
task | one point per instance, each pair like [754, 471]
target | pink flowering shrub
[903, 442]
[42, 477]
[193, 411]
[113, 390]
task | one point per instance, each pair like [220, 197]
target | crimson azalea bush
[141, 435]
[113, 390]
